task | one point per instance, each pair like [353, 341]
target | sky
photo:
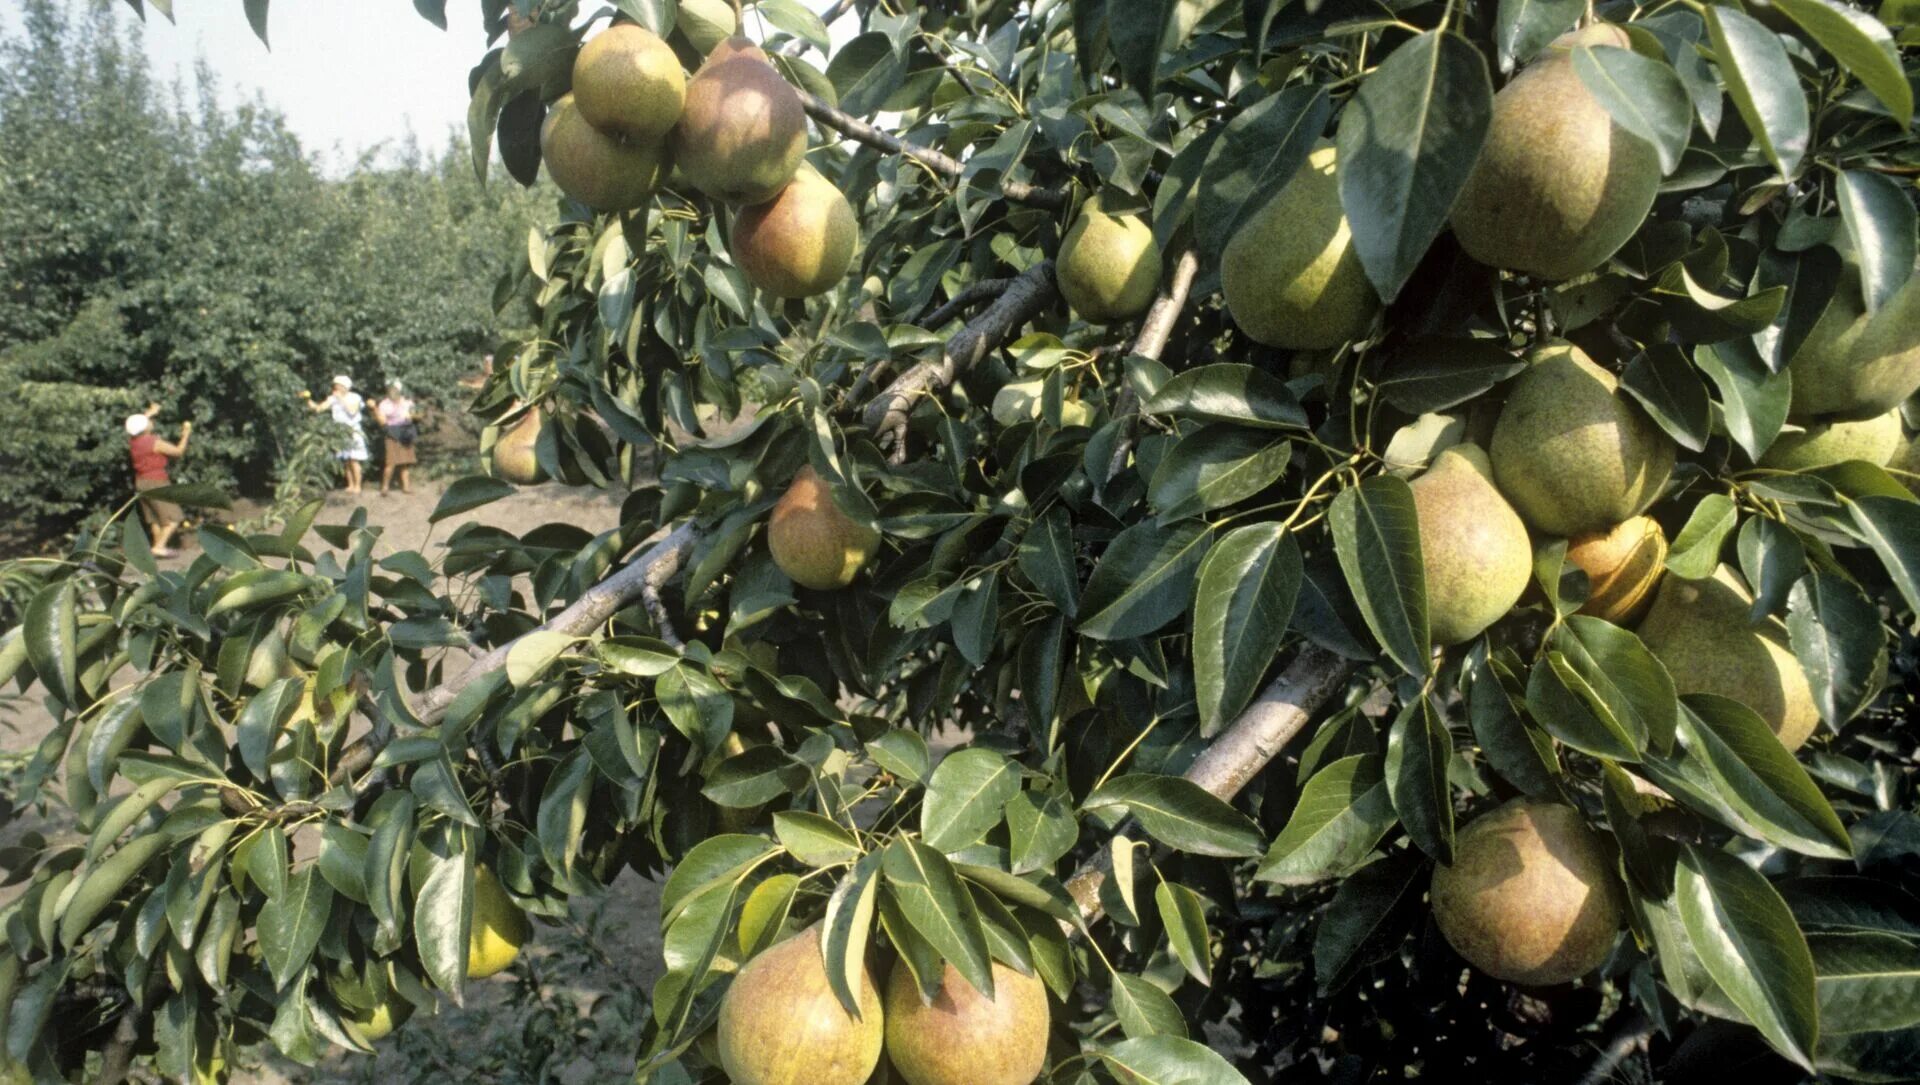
[350, 75]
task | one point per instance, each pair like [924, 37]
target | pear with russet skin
[1623, 565]
[1530, 897]
[800, 243]
[628, 84]
[812, 541]
[963, 1037]
[595, 168]
[1478, 558]
[1109, 265]
[743, 131]
[781, 1024]
[1823, 444]
[1571, 451]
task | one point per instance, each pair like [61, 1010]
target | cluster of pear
[781, 1024]
[736, 130]
[374, 1008]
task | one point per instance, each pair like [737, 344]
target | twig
[886, 415]
[1632, 1036]
[1155, 329]
[970, 295]
[938, 161]
[1281, 712]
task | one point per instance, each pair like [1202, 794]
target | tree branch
[1281, 712]
[938, 161]
[970, 295]
[116, 1058]
[1155, 330]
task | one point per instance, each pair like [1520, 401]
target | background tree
[1280, 766]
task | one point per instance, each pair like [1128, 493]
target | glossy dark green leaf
[1143, 581]
[1772, 558]
[1670, 390]
[1759, 779]
[713, 865]
[1862, 45]
[1135, 40]
[1046, 559]
[49, 630]
[1248, 584]
[1407, 142]
[1376, 534]
[1143, 1009]
[1643, 96]
[976, 618]
[1258, 152]
[1213, 467]
[1880, 218]
[1342, 814]
[1181, 815]
[1418, 750]
[290, 925]
[1866, 981]
[933, 899]
[1753, 400]
[967, 796]
[1168, 1060]
[1367, 920]
[1836, 635]
[1228, 392]
[757, 775]
[1523, 756]
[1812, 278]
[467, 494]
[848, 926]
[1524, 27]
[865, 72]
[1184, 916]
[442, 919]
[1747, 940]
[1041, 829]
[1695, 552]
[813, 839]
[1891, 526]
[1434, 374]
[1762, 83]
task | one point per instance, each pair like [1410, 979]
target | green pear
[1531, 896]
[800, 243]
[595, 168]
[963, 1037]
[781, 1024]
[512, 456]
[1290, 273]
[743, 132]
[628, 84]
[1109, 265]
[1476, 550]
[1571, 452]
[1874, 440]
[1856, 364]
[1021, 401]
[706, 23]
[812, 541]
[1558, 186]
[1700, 630]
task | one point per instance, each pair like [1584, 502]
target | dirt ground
[570, 1011]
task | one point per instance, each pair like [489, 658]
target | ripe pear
[513, 451]
[1531, 896]
[963, 1037]
[800, 243]
[1109, 265]
[707, 23]
[1558, 186]
[1291, 275]
[499, 929]
[781, 1024]
[812, 541]
[628, 84]
[1476, 550]
[1623, 564]
[595, 168]
[1874, 440]
[1700, 630]
[1856, 364]
[1021, 401]
[373, 1009]
[743, 132]
[1571, 452]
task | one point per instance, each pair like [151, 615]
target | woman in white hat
[150, 455]
[346, 406]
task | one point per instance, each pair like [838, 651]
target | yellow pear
[513, 455]
[1531, 896]
[1874, 440]
[1558, 186]
[595, 168]
[800, 243]
[963, 1037]
[743, 132]
[781, 1023]
[1623, 564]
[812, 541]
[1700, 630]
[628, 84]
[499, 928]
[1109, 265]
[1856, 364]
[1477, 555]
[1290, 274]
[1571, 452]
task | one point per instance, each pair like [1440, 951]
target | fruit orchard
[1406, 509]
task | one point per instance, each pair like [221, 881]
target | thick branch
[1155, 330]
[116, 1058]
[969, 296]
[1281, 712]
[1031, 292]
[938, 161]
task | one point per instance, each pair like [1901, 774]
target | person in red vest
[150, 456]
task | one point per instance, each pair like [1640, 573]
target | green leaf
[901, 752]
[697, 706]
[1181, 815]
[1226, 392]
[930, 895]
[1753, 400]
[1522, 755]
[1746, 938]
[1729, 749]
[1342, 815]
[845, 930]
[1136, 39]
[97, 887]
[442, 920]
[191, 494]
[1168, 1060]
[50, 630]
[1880, 219]
[1696, 550]
[1376, 534]
[1143, 1009]
[1643, 96]
[290, 925]
[976, 618]
[1407, 142]
[1247, 588]
[261, 721]
[1891, 526]
[1862, 45]
[865, 72]
[530, 655]
[1213, 467]
[1144, 580]
[257, 19]
[467, 494]
[1762, 82]
[1524, 27]
[1257, 153]
[387, 856]
[759, 774]
[1039, 832]
[715, 864]
[1434, 374]
[269, 861]
[1418, 749]
[765, 913]
[1772, 558]
[967, 796]
[1045, 557]
[1367, 920]
[637, 657]
[1866, 981]
[1184, 916]
[797, 19]
[813, 839]
[1836, 635]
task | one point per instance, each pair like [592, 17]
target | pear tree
[1162, 540]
